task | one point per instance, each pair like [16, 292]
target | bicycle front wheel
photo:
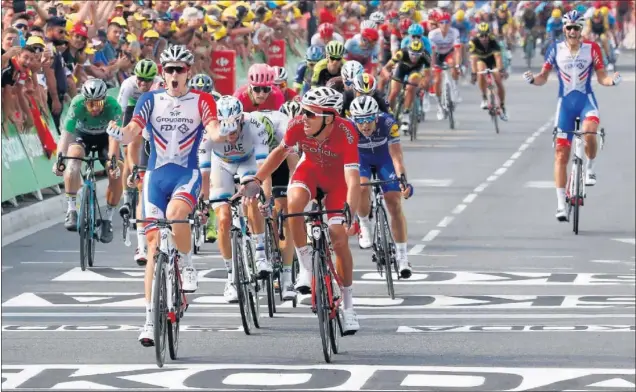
[173, 327]
[239, 279]
[252, 287]
[450, 106]
[413, 119]
[322, 305]
[493, 110]
[83, 224]
[160, 308]
[93, 226]
[383, 228]
[578, 197]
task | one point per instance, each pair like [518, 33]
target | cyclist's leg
[364, 208]
[590, 118]
[109, 147]
[142, 245]
[280, 178]
[482, 81]
[565, 125]
[409, 94]
[73, 180]
[396, 83]
[127, 163]
[606, 46]
[498, 78]
[204, 156]
[246, 170]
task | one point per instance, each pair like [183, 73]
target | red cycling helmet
[370, 35]
[433, 15]
[393, 14]
[325, 30]
[444, 16]
[404, 25]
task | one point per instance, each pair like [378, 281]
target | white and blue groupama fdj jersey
[252, 141]
[174, 125]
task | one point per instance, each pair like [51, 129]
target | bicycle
[87, 224]
[326, 286]
[494, 109]
[384, 250]
[199, 216]
[244, 273]
[447, 100]
[575, 189]
[169, 302]
[273, 254]
[413, 114]
[133, 194]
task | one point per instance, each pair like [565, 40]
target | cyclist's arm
[114, 114]
[550, 62]
[300, 76]
[473, 56]
[395, 148]
[126, 91]
[352, 167]
[601, 73]
[496, 51]
[315, 78]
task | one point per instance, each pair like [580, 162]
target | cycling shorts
[490, 61]
[403, 71]
[280, 178]
[311, 177]
[93, 143]
[166, 183]
[444, 58]
[383, 165]
[568, 109]
[222, 176]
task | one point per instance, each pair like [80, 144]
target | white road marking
[480, 188]
[626, 240]
[539, 184]
[514, 328]
[508, 163]
[492, 178]
[430, 236]
[445, 222]
[459, 209]
[470, 198]
[515, 155]
[501, 171]
[416, 249]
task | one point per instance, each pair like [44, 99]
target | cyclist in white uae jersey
[574, 61]
[446, 49]
[241, 151]
[174, 121]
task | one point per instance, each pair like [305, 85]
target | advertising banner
[276, 56]
[223, 65]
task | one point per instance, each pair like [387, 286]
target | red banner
[223, 66]
[276, 55]
[42, 128]
[351, 29]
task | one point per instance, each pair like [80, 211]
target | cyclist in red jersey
[330, 161]
[280, 81]
[260, 92]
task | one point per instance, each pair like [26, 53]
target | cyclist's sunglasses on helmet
[573, 27]
[95, 104]
[261, 89]
[172, 69]
[365, 119]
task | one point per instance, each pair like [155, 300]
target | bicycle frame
[491, 86]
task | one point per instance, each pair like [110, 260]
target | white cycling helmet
[351, 70]
[573, 18]
[175, 55]
[368, 24]
[444, 3]
[94, 89]
[377, 17]
[291, 109]
[230, 113]
[324, 98]
[364, 106]
[280, 74]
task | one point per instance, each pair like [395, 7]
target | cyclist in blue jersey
[305, 69]
[174, 121]
[416, 32]
[379, 147]
[553, 29]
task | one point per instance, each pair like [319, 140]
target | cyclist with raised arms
[379, 147]
[260, 93]
[145, 78]
[239, 150]
[174, 120]
[85, 131]
[574, 60]
[330, 161]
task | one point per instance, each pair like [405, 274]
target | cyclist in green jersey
[145, 78]
[85, 131]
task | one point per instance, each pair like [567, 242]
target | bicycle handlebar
[346, 210]
[61, 166]
[161, 223]
[487, 71]
[601, 133]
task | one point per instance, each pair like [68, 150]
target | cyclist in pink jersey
[260, 93]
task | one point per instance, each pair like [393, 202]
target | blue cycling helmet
[416, 29]
[315, 53]
[573, 18]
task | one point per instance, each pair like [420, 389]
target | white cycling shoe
[484, 104]
[590, 178]
[190, 280]
[289, 294]
[147, 335]
[404, 267]
[364, 239]
[561, 215]
[303, 281]
[440, 113]
[350, 322]
[229, 293]
[263, 266]
[140, 256]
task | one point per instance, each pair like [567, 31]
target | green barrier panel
[17, 166]
[7, 190]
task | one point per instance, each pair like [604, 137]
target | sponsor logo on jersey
[175, 120]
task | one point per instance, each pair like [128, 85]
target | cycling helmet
[364, 83]
[405, 24]
[291, 109]
[459, 15]
[483, 28]
[351, 70]
[368, 24]
[324, 98]
[556, 13]
[444, 4]
[393, 14]
[230, 113]
[146, 69]
[314, 54]
[444, 16]
[94, 89]
[260, 75]
[573, 18]
[280, 74]
[325, 30]
[202, 82]
[335, 49]
[416, 29]
[370, 34]
[377, 17]
[433, 15]
[604, 11]
[364, 106]
[405, 10]
[503, 7]
[176, 54]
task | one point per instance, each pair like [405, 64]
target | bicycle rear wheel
[270, 254]
[413, 119]
[322, 307]
[160, 308]
[578, 177]
[239, 279]
[383, 228]
[450, 107]
[173, 327]
[334, 322]
[83, 223]
[252, 287]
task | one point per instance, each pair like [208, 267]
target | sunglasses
[95, 104]
[261, 89]
[310, 114]
[419, 37]
[145, 80]
[21, 26]
[444, 22]
[35, 49]
[171, 70]
[365, 120]
[484, 35]
[575, 28]
[334, 59]
[311, 64]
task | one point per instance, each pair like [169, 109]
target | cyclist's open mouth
[175, 83]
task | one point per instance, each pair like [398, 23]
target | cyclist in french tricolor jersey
[174, 120]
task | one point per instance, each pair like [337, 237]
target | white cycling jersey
[129, 93]
[253, 142]
[275, 123]
[316, 40]
[444, 44]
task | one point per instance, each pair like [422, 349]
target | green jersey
[79, 120]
